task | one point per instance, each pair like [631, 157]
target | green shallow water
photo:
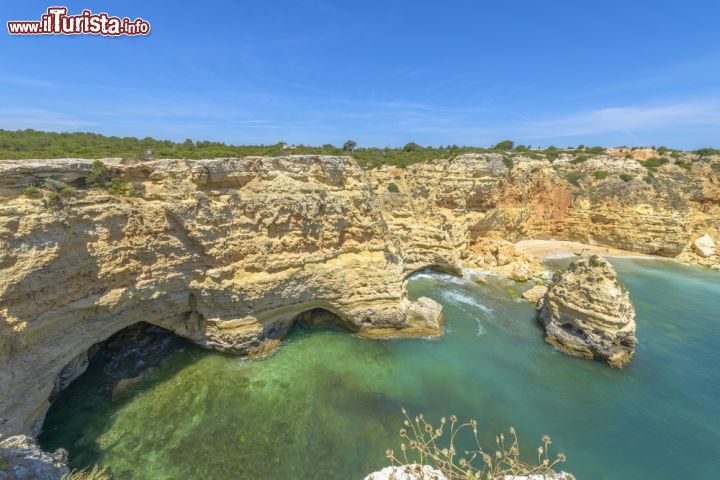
[327, 404]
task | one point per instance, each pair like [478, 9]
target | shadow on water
[131, 360]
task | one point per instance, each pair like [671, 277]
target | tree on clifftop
[505, 145]
[350, 145]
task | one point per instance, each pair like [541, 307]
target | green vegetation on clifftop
[26, 144]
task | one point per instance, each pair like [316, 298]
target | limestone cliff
[587, 313]
[230, 252]
[443, 208]
[224, 252]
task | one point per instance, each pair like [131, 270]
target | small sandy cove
[562, 248]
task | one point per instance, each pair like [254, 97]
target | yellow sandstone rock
[229, 253]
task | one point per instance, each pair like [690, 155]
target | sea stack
[587, 313]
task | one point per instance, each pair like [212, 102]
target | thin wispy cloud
[21, 81]
[39, 119]
[631, 119]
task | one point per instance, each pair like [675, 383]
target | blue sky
[379, 72]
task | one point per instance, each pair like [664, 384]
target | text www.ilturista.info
[57, 22]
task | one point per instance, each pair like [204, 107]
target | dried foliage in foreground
[95, 473]
[426, 444]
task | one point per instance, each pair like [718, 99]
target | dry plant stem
[426, 447]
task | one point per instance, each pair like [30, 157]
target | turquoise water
[327, 404]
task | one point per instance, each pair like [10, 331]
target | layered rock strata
[226, 253]
[229, 252]
[587, 313]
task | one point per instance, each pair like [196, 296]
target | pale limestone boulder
[424, 313]
[535, 294]
[407, 472]
[587, 313]
[704, 246]
[426, 472]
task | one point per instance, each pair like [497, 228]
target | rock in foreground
[407, 472]
[587, 313]
[426, 472]
[22, 459]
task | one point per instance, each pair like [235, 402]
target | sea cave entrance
[126, 358]
[322, 318]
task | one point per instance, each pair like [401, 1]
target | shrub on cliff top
[654, 162]
[393, 188]
[32, 191]
[573, 178]
[427, 444]
[626, 177]
[504, 145]
[118, 187]
[600, 174]
[706, 152]
[99, 174]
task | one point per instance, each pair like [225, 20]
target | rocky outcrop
[535, 294]
[704, 246]
[407, 472]
[22, 459]
[587, 313]
[229, 253]
[426, 472]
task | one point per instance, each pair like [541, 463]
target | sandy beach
[563, 248]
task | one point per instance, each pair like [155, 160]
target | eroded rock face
[587, 313]
[446, 207]
[228, 252]
[22, 459]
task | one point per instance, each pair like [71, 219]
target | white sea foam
[431, 275]
[475, 274]
[460, 297]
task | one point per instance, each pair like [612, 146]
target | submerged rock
[587, 313]
[22, 459]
